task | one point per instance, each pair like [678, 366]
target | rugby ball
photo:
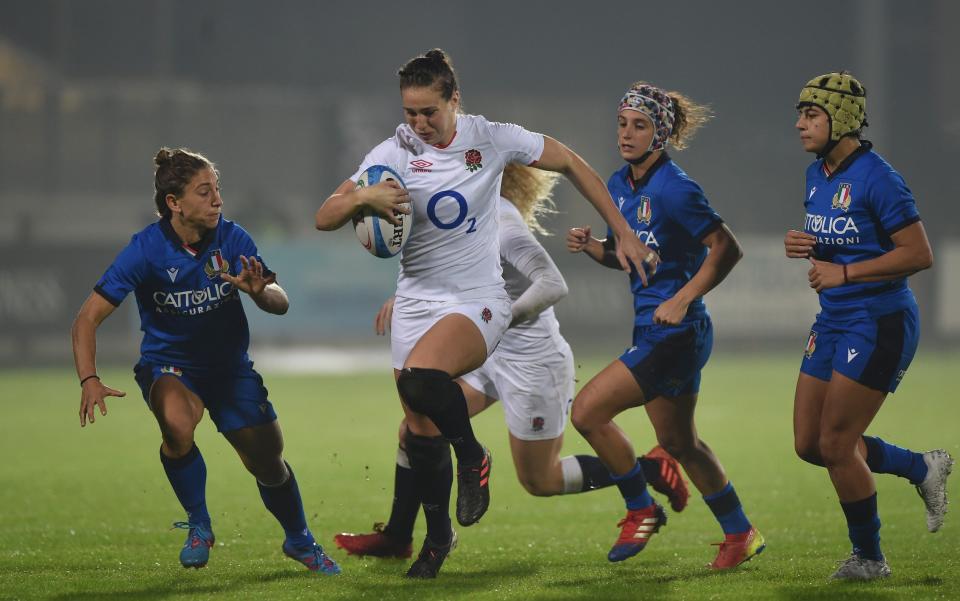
[380, 237]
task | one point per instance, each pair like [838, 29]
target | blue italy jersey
[853, 212]
[190, 317]
[669, 213]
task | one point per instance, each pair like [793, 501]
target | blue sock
[188, 477]
[726, 507]
[886, 458]
[863, 525]
[633, 487]
[285, 504]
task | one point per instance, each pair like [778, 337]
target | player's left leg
[261, 450]
[878, 353]
[673, 420]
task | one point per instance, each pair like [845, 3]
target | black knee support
[427, 391]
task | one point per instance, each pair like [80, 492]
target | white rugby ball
[380, 237]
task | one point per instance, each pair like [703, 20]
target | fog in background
[286, 97]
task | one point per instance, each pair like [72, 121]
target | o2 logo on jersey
[643, 211]
[461, 211]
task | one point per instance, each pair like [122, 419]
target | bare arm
[601, 251]
[725, 252]
[84, 334]
[384, 198]
[559, 158]
[911, 253]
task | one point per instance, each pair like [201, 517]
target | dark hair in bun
[431, 69]
[174, 170]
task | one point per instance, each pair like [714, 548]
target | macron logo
[851, 354]
[812, 190]
[172, 272]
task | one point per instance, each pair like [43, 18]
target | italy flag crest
[215, 265]
[644, 213]
[841, 200]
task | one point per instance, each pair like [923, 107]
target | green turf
[86, 513]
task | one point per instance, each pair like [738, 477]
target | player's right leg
[608, 394]
[178, 410]
[429, 455]
[454, 345]
[848, 409]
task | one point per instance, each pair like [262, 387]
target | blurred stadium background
[287, 96]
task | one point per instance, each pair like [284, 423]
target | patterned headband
[655, 104]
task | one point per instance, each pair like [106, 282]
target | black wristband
[87, 378]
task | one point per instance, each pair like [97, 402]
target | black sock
[406, 500]
[595, 474]
[650, 467]
[863, 526]
[433, 476]
[285, 503]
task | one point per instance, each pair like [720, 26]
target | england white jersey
[525, 261]
[453, 252]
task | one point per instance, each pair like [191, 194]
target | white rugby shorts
[413, 317]
[536, 392]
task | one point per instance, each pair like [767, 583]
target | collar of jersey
[865, 147]
[199, 248]
[447, 145]
[636, 184]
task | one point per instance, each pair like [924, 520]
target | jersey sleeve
[891, 201]
[687, 206]
[246, 247]
[514, 143]
[123, 276]
[519, 248]
[385, 153]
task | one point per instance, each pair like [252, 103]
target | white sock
[572, 475]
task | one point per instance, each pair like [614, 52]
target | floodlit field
[86, 514]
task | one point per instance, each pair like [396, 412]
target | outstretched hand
[250, 279]
[631, 251]
[92, 396]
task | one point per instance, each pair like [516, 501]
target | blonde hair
[688, 117]
[530, 190]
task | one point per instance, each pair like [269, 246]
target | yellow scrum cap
[842, 97]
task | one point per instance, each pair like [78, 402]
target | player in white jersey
[451, 303]
[531, 372]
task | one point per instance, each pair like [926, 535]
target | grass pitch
[86, 513]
